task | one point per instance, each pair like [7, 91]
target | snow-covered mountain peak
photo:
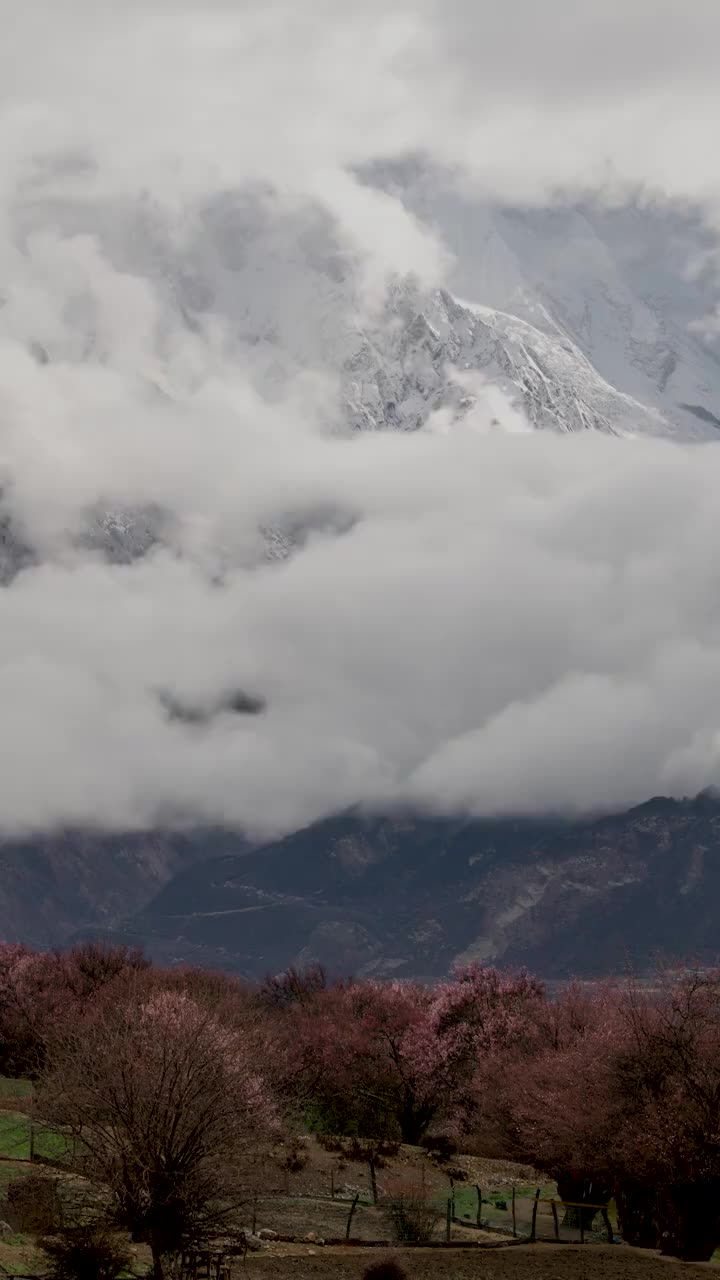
[407, 369]
[631, 288]
[581, 320]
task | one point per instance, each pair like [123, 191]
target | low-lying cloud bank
[461, 618]
[509, 623]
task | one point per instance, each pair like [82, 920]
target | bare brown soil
[327, 1169]
[523, 1262]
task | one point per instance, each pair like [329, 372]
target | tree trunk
[689, 1221]
[414, 1120]
[574, 1190]
[412, 1127]
[637, 1210]
[158, 1259]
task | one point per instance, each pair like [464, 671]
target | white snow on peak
[566, 320]
[631, 288]
[413, 364]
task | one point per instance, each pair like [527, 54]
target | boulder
[253, 1242]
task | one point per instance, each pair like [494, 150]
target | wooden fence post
[373, 1180]
[353, 1206]
[513, 1212]
[479, 1207]
[448, 1221]
[555, 1219]
[534, 1215]
[582, 1227]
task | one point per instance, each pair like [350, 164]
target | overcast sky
[506, 622]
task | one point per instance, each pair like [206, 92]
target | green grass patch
[526, 1192]
[15, 1088]
[492, 1199]
[14, 1136]
[15, 1139]
[465, 1201]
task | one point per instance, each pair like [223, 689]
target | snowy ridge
[634, 288]
[415, 364]
[584, 321]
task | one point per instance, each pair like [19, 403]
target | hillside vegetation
[181, 1107]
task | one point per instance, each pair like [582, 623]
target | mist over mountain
[359, 422]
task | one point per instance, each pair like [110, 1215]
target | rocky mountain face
[633, 287]
[430, 348]
[410, 897]
[51, 886]
[426, 354]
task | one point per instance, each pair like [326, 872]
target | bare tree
[167, 1112]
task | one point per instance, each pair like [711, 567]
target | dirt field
[523, 1262]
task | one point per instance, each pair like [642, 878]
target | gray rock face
[254, 1242]
[417, 363]
[55, 885]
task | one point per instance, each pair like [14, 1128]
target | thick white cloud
[183, 95]
[512, 623]
[507, 622]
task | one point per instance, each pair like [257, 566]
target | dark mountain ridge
[412, 896]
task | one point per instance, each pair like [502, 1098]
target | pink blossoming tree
[391, 1059]
[168, 1113]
